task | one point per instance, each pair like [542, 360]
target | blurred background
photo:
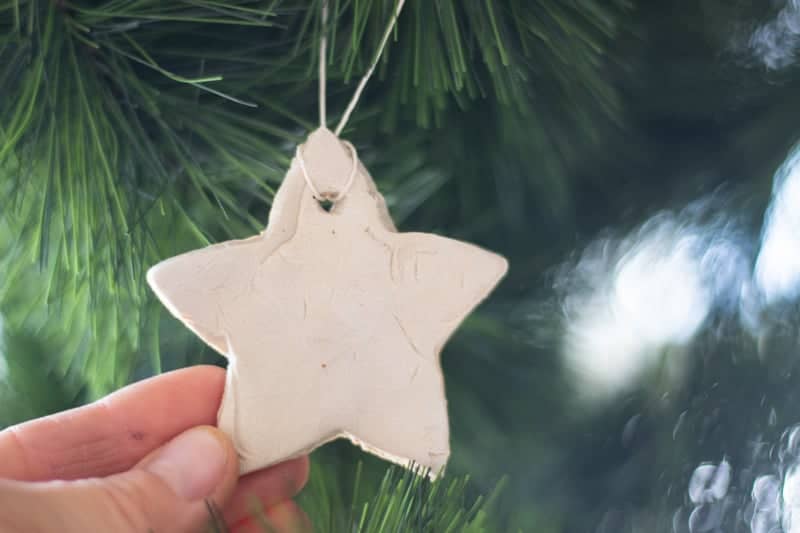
[636, 162]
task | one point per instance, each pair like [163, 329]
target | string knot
[323, 50]
[325, 195]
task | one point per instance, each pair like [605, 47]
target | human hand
[145, 458]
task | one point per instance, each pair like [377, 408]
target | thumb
[169, 490]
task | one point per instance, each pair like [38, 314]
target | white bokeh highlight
[776, 43]
[710, 482]
[631, 303]
[777, 272]
[766, 504]
[776, 496]
[629, 300]
[790, 496]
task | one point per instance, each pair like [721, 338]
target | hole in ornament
[326, 204]
[324, 365]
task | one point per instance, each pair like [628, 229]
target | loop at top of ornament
[324, 162]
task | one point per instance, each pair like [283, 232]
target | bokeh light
[776, 43]
[777, 271]
[632, 299]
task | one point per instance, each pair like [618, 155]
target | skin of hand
[144, 459]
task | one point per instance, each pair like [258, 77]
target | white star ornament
[332, 321]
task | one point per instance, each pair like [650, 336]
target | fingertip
[288, 517]
[302, 470]
[267, 487]
[210, 376]
[197, 464]
[213, 371]
[285, 517]
[226, 488]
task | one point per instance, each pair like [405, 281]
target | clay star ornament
[332, 322]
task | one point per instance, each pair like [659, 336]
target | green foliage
[132, 130]
[403, 500]
[30, 387]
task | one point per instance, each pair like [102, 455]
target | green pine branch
[130, 131]
[399, 500]
[403, 501]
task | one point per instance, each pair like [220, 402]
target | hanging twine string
[323, 63]
[330, 196]
[323, 50]
[354, 100]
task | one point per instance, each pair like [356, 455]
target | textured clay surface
[332, 322]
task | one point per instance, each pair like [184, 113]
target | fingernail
[192, 464]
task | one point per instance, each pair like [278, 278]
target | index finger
[112, 434]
